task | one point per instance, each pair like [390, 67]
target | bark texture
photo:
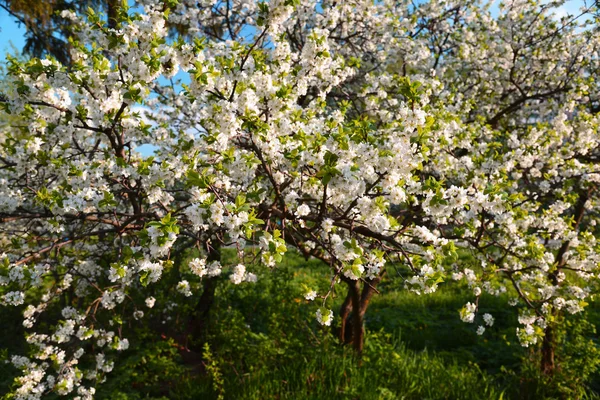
[200, 321]
[548, 365]
[353, 310]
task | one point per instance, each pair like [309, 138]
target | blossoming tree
[524, 160]
[270, 135]
[361, 133]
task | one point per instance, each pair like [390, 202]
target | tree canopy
[372, 135]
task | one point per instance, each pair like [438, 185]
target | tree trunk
[358, 330]
[547, 364]
[345, 332]
[202, 311]
[353, 311]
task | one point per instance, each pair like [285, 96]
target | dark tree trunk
[201, 317]
[548, 365]
[345, 332]
[358, 330]
[202, 311]
[353, 310]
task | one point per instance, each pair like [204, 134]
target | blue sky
[10, 32]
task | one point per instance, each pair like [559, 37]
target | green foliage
[577, 359]
[213, 371]
[152, 369]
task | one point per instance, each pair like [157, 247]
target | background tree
[528, 153]
[46, 32]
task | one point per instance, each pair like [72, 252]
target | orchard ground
[264, 344]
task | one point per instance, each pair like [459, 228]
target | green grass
[264, 343]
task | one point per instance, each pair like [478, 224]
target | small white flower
[324, 316]
[467, 314]
[303, 210]
[457, 276]
[311, 295]
[183, 287]
[239, 272]
[480, 330]
[198, 267]
[327, 225]
[122, 344]
[489, 320]
[150, 302]
[559, 302]
[14, 298]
